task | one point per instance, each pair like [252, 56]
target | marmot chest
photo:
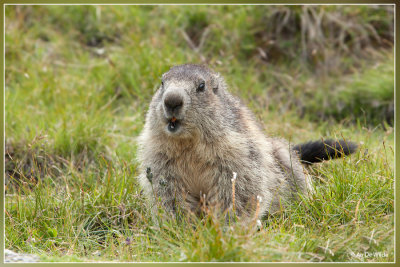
[196, 174]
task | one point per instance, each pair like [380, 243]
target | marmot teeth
[173, 125]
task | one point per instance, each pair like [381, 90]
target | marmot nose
[173, 103]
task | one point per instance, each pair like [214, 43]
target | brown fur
[217, 136]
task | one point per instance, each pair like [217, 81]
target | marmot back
[197, 135]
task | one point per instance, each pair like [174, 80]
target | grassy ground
[78, 82]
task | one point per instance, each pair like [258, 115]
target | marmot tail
[317, 151]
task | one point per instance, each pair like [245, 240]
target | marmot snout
[173, 103]
[197, 135]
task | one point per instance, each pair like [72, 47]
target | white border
[205, 4]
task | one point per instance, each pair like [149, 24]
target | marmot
[197, 136]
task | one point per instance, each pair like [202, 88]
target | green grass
[78, 83]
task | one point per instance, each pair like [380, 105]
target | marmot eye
[201, 87]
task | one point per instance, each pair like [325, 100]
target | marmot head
[186, 100]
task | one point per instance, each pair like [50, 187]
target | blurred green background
[79, 80]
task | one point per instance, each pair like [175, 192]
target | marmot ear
[215, 82]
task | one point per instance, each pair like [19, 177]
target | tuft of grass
[367, 95]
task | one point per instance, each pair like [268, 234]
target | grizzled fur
[216, 135]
